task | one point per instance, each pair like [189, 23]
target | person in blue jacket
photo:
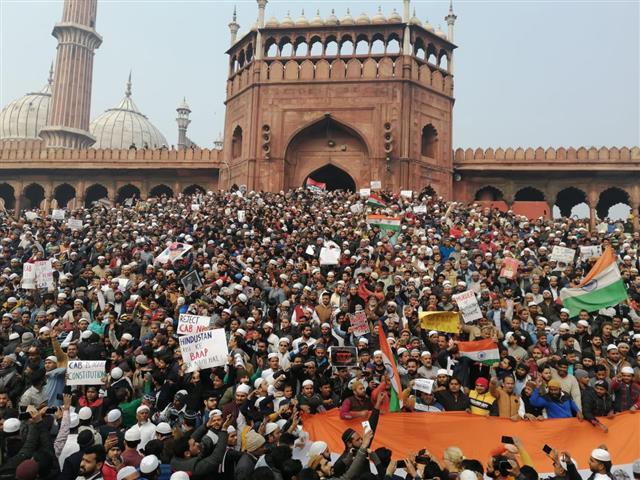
[557, 403]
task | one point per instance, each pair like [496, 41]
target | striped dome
[26, 116]
[124, 126]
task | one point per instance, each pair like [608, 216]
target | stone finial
[127, 91]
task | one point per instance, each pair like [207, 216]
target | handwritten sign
[376, 185]
[57, 214]
[330, 254]
[589, 251]
[420, 209]
[468, 306]
[74, 224]
[406, 193]
[509, 268]
[365, 192]
[188, 324]
[423, 385]
[242, 216]
[205, 349]
[85, 372]
[563, 254]
[343, 356]
[359, 324]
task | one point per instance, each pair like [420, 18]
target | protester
[288, 276]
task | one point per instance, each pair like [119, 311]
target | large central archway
[335, 178]
[329, 152]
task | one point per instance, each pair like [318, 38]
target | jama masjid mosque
[344, 100]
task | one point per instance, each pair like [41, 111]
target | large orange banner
[479, 436]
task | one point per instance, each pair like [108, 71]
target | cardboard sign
[189, 324]
[365, 192]
[74, 224]
[376, 184]
[310, 250]
[57, 214]
[406, 194]
[343, 356]
[359, 324]
[191, 282]
[85, 372]
[330, 254]
[420, 209]
[242, 216]
[563, 255]
[423, 385]
[44, 274]
[468, 306]
[587, 252]
[356, 208]
[173, 252]
[509, 268]
[29, 276]
[441, 321]
[30, 215]
[196, 208]
[205, 349]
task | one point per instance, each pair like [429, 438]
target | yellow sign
[440, 321]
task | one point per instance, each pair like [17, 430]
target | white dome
[317, 20]
[379, 17]
[332, 19]
[415, 20]
[440, 33]
[347, 19]
[287, 21]
[302, 21]
[124, 125]
[26, 116]
[428, 26]
[363, 19]
[395, 17]
[272, 23]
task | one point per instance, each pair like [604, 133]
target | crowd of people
[257, 261]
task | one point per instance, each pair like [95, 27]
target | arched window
[393, 47]
[377, 47]
[332, 49]
[346, 48]
[286, 50]
[316, 48]
[236, 143]
[362, 47]
[429, 141]
[302, 50]
[272, 50]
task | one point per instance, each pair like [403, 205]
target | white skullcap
[11, 425]
[117, 373]
[307, 382]
[149, 464]
[442, 371]
[467, 475]
[125, 472]
[270, 428]
[584, 323]
[243, 388]
[627, 370]
[377, 352]
[142, 408]
[113, 415]
[85, 413]
[132, 435]
[179, 476]
[163, 428]
[74, 420]
[601, 455]
[317, 448]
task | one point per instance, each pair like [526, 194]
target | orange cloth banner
[479, 436]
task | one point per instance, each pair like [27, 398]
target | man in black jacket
[596, 402]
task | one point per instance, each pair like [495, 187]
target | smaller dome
[272, 23]
[302, 21]
[440, 33]
[317, 20]
[363, 19]
[347, 19]
[287, 21]
[415, 20]
[428, 26]
[379, 17]
[332, 19]
[394, 17]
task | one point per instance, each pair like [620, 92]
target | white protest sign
[423, 384]
[586, 252]
[356, 208]
[31, 215]
[359, 324]
[365, 192]
[468, 306]
[85, 372]
[420, 209]
[195, 207]
[188, 324]
[122, 283]
[57, 214]
[242, 215]
[376, 185]
[205, 349]
[406, 193]
[330, 254]
[28, 276]
[74, 224]
[43, 274]
[310, 250]
[563, 254]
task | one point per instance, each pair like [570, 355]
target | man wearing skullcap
[557, 403]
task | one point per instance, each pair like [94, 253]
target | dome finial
[50, 79]
[127, 92]
[235, 13]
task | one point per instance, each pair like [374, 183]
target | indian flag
[483, 351]
[395, 402]
[602, 287]
[386, 224]
[375, 201]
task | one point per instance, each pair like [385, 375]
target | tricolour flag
[316, 186]
[376, 201]
[387, 225]
[389, 361]
[483, 351]
[602, 287]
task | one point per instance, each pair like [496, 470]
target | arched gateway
[328, 152]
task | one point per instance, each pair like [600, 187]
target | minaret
[406, 12]
[68, 123]
[451, 20]
[183, 122]
[234, 27]
[406, 16]
[261, 7]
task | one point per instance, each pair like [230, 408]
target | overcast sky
[528, 73]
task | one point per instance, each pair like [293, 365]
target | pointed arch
[63, 193]
[193, 189]
[34, 194]
[161, 190]
[8, 195]
[127, 192]
[94, 193]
